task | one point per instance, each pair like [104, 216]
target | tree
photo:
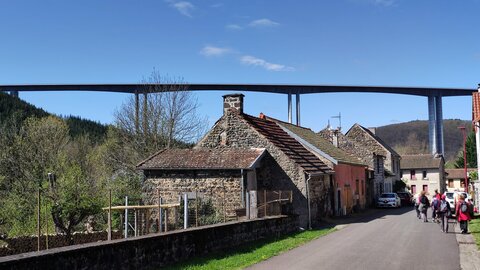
[167, 117]
[471, 147]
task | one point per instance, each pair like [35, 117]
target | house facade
[368, 139]
[455, 178]
[349, 179]
[423, 173]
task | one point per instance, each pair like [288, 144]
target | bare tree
[167, 116]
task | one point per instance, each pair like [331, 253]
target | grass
[474, 228]
[253, 253]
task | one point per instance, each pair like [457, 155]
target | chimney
[373, 130]
[335, 137]
[233, 101]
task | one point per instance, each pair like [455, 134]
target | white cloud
[184, 7]
[233, 27]
[254, 61]
[214, 51]
[263, 23]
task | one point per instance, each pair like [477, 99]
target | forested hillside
[14, 111]
[412, 137]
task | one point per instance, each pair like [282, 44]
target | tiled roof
[320, 143]
[476, 107]
[457, 173]
[380, 141]
[426, 161]
[202, 158]
[288, 145]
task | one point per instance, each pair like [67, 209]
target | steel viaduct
[434, 95]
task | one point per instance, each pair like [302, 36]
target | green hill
[13, 111]
[412, 137]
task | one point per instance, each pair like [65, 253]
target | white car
[388, 200]
[450, 198]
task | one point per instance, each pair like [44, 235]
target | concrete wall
[153, 251]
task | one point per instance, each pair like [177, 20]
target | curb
[469, 254]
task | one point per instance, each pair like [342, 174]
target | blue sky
[341, 42]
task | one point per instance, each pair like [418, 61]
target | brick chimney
[335, 137]
[233, 101]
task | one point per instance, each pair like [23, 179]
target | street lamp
[465, 156]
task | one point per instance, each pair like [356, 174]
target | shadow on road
[365, 216]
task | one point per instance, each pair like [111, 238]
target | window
[414, 189]
[450, 183]
[378, 164]
[401, 173]
[424, 174]
[462, 182]
[425, 188]
[412, 175]
[357, 186]
[363, 188]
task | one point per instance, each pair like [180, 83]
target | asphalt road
[389, 239]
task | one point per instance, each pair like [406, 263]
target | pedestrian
[444, 212]
[462, 210]
[424, 204]
[435, 207]
[416, 204]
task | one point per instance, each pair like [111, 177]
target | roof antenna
[339, 116]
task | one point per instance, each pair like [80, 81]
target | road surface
[389, 239]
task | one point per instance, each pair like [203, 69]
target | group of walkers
[441, 210]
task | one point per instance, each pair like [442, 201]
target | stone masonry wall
[222, 187]
[153, 251]
[233, 132]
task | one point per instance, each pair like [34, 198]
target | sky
[427, 43]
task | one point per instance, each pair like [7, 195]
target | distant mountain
[412, 137]
[13, 111]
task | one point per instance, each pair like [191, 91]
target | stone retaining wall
[153, 251]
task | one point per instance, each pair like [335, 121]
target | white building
[423, 172]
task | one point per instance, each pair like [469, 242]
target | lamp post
[465, 156]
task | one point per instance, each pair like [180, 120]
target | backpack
[435, 203]
[423, 200]
[443, 206]
[464, 207]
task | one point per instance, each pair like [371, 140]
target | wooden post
[185, 210]
[291, 196]
[109, 236]
[148, 221]
[265, 201]
[166, 220]
[38, 220]
[126, 217]
[136, 222]
[224, 208]
[159, 200]
[280, 201]
[196, 209]
[46, 225]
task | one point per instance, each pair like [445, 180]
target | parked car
[388, 200]
[406, 199]
[452, 195]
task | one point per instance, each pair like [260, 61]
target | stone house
[349, 179]
[375, 174]
[423, 172]
[220, 175]
[391, 163]
[455, 178]
[284, 164]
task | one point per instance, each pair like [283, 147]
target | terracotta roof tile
[476, 107]
[202, 158]
[288, 145]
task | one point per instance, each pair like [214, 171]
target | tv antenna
[339, 116]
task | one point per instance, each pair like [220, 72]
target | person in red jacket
[462, 210]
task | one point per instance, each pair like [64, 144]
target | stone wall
[277, 173]
[153, 251]
[223, 188]
[29, 243]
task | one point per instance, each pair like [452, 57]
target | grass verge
[474, 228]
[252, 253]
